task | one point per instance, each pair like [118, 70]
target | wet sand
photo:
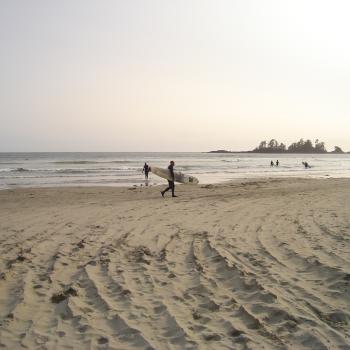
[249, 265]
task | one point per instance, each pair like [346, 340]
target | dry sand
[256, 265]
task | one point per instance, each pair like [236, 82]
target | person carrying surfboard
[172, 181]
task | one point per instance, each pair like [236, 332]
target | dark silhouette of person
[277, 163]
[146, 170]
[172, 181]
[272, 163]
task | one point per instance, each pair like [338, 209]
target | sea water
[125, 169]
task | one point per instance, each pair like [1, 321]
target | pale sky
[172, 75]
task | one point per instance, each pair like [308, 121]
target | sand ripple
[259, 265]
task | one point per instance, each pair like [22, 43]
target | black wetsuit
[146, 170]
[171, 182]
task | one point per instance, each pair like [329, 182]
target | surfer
[146, 170]
[277, 163]
[271, 163]
[172, 181]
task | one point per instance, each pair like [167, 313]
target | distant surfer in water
[172, 181]
[146, 170]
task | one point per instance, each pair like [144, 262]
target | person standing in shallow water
[146, 170]
[172, 181]
[277, 163]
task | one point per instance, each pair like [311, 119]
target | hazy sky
[179, 75]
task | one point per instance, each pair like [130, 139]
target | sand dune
[249, 265]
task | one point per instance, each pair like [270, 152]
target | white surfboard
[179, 176]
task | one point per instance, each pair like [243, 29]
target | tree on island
[306, 147]
[297, 147]
[272, 147]
[320, 147]
[337, 149]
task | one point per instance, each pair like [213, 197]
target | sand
[249, 265]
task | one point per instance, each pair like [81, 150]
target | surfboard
[179, 176]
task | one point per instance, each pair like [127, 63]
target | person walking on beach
[145, 170]
[172, 181]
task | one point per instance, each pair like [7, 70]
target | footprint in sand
[41, 339]
[210, 337]
[103, 340]
[83, 329]
[171, 275]
[61, 296]
[196, 315]
[159, 309]
[236, 333]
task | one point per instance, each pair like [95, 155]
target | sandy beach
[247, 265]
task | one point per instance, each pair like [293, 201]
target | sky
[179, 75]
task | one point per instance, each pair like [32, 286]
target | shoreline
[140, 186]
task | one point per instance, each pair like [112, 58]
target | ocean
[125, 169]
